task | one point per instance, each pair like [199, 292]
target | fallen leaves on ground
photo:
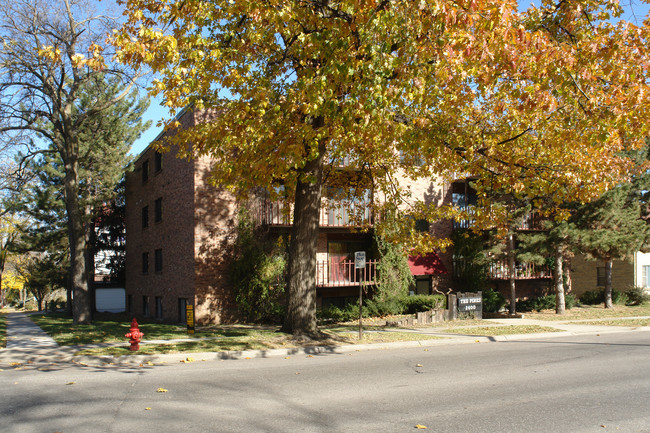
[70, 383]
[147, 408]
[418, 365]
[420, 426]
[189, 359]
[161, 390]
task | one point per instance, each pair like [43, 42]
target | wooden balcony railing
[531, 221]
[332, 214]
[330, 273]
[523, 271]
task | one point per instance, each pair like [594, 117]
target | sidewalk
[29, 346]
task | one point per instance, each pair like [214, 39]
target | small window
[145, 306]
[145, 171]
[159, 307]
[158, 162]
[182, 304]
[145, 217]
[601, 276]
[158, 260]
[645, 277]
[145, 263]
[158, 210]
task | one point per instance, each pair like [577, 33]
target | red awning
[429, 264]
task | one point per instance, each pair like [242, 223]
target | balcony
[523, 271]
[332, 273]
[332, 214]
[530, 222]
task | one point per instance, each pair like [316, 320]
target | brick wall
[583, 274]
[173, 235]
[215, 223]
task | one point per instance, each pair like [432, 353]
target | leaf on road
[147, 408]
[13, 364]
[161, 390]
[188, 359]
[310, 356]
[70, 383]
[287, 357]
[418, 365]
[149, 363]
[420, 426]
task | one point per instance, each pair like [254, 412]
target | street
[593, 383]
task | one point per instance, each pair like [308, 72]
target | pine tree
[612, 228]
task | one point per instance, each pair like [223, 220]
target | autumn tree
[51, 53]
[536, 102]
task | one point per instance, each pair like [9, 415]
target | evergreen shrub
[493, 301]
[595, 297]
[637, 296]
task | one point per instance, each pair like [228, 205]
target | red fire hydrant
[135, 335]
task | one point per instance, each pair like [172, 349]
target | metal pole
[360, 304]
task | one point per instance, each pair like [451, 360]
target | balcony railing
[531, 221]
[330, 273]
[332, 214]
[523, 271]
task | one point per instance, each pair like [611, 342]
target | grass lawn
[617, 322]
[205, 339]
[490, 331]
[3, 330]
[592, 312]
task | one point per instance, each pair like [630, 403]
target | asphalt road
[568, 384]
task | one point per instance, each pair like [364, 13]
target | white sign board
[360, 260]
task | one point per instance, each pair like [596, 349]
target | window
[145, 306]
[145, 263]
[158, 210]
[645, 276]
[157, 165]
[145, 217]
[159, 310]
[145, 171]
[601, 276]
[158, 260]
[182, 303]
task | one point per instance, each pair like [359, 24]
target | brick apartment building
[181, 230]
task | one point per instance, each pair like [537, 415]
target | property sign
[360, 260]
[471, 303]
[189, 316]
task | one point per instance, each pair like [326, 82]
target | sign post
[189, 318]
[360, 265]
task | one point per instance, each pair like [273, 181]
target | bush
[595, 297]
[348, 313]
[570, 301]
[418, 303]
[258, 275]
[637, 296]
[545, 303]
[493, 301]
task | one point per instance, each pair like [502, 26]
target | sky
[635, 11]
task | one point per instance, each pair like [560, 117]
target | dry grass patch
[617, 322]
[592, 312]
[490, 331]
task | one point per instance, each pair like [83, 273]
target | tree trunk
[511, 273]
[81, 313]
[558, 274]
[608, 283]
[301, 301]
